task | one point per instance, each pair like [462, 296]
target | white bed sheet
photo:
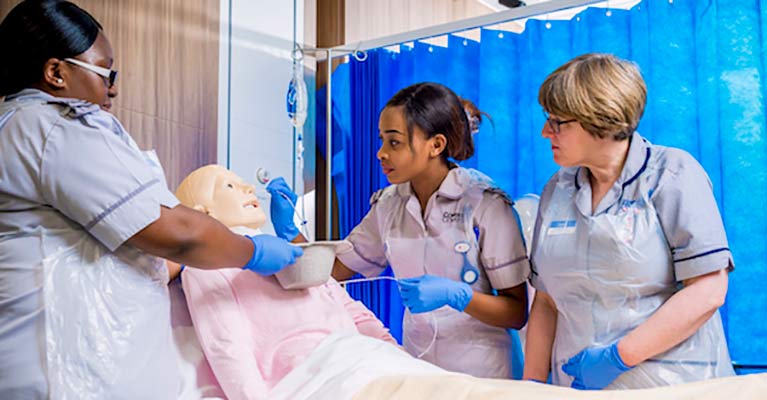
[343, 364]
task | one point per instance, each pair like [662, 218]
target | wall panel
[167, 55]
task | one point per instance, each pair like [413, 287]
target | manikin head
[223, 195]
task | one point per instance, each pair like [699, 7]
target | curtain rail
[450, 27]
[437, 30]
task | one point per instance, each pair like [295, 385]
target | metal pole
[329, 148]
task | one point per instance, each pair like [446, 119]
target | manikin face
[401, 160]
[234, 201]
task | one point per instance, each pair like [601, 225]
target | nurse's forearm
[507, 310]
[677, 319]
[341, 272]
[194, 239]
[540, 337]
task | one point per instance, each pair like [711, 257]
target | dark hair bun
[435, 109]
[36, 31]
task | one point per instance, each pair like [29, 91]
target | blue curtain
[704, 64]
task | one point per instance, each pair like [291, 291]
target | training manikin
[252, 331]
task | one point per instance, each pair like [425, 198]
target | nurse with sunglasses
[84, 218]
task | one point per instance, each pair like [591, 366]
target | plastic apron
[107, 321]
[463, 343]
[607, 274]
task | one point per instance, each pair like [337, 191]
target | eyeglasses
[109, 74]
[554, 123]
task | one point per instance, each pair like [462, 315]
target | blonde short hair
[604, 93]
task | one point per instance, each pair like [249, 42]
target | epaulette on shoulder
[383, 194]
[497, 192]
[375, 196]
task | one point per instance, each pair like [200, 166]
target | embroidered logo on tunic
[628, 203]
[452, 217]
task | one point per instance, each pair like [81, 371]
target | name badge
[561, 227]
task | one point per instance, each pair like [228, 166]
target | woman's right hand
[189, 237]
[282, 209]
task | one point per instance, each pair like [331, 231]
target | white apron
[463, 344]
[107, 320]
[607, 274]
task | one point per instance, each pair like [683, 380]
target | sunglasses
[109, 74]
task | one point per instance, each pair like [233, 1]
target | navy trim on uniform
[628, 182]
[644, 166]
[703, 254]
[514, 261]
[180, 271]
[684, 362]
[5, 118]
[371, 262]
[121, 202]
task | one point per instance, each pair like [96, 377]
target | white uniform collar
[77, 107]
[29, 94]
[636, 163]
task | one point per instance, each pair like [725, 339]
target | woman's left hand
[282, 209]
[595, 367]
[429, 292]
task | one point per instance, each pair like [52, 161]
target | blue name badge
[561, 227]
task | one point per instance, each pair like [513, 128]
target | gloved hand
[429, 292]
[271, 254]
[281, 210]
[595, 367]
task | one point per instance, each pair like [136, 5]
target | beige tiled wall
[166, 52]
[370, 19]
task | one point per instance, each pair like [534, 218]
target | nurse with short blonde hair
[630, 257]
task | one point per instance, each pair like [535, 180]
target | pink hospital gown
[253, 332]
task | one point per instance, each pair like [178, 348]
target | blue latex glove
[281, 210]
[429, 292]
[271, 254]
[595, 367]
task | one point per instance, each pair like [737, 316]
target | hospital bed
[349, 366]
[744, 387]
